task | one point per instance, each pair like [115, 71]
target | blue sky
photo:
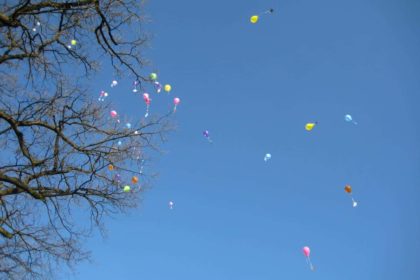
[254, 87]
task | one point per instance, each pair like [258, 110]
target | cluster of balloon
[310, 126]
[114, 83]
[176, 102]
[102, 95]
[37, 24]
[206, 134]
[349, 118]
[147, 100]
[135, 85]
[307, 251]
[267, 157]
[157, 85]
[171, 205]
[348, 190]
[254, 19]
[72, 43]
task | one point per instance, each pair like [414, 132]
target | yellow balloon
[309, 126]
[254, 19]
[73, 42]
[167, 88]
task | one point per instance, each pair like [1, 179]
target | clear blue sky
[254, 87]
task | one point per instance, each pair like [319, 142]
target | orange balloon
[134, 179]
[110, 167]
[347, 188]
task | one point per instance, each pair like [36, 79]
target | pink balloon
[113, 113]
[177, 100]
[306, 251]
[145, 96]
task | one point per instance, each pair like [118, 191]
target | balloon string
[310, 263]
[147, 111]
[174, 108]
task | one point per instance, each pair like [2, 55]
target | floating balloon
[349, 118]
[134, 180]
[267, 157]
[171, 205]
[158, 86]
[310, 126]
[102, 95]
[307, 251]
[176, 102]
[153, 76]
[114, 114]
[114, 83]
[127, 188]
[119, 143]
[128, 125]
[135, 85]
[254, 19]
[73, 42]
[147, 100]
[167, 88]
[206, 134]
[349, 190]
[110, 167]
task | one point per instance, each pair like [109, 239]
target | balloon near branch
[127, 188]
[134, 180]
[73, 42]
[153, 76]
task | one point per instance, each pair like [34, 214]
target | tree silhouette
[62, 156]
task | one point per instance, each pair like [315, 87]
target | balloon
[110, 167]
[103, 95]
[114, 114]
[171, 205]
[349, 118]
[347, 188]
[306, 251]
[128, 125]
[167, 88]
[310, 126]
[153, 76]
[158, 87]
[119, 143]
[114, 83]
[135, 84]
[206, 134]
[73, 42]
[127, 188]
[254, 19]
[147, 100]
[134, 180]
[176, 102]
[267, 157]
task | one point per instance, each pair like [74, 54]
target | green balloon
[153, 76]
[127, 189]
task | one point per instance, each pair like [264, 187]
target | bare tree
[62, 157]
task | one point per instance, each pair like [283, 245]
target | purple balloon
[206, 133]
